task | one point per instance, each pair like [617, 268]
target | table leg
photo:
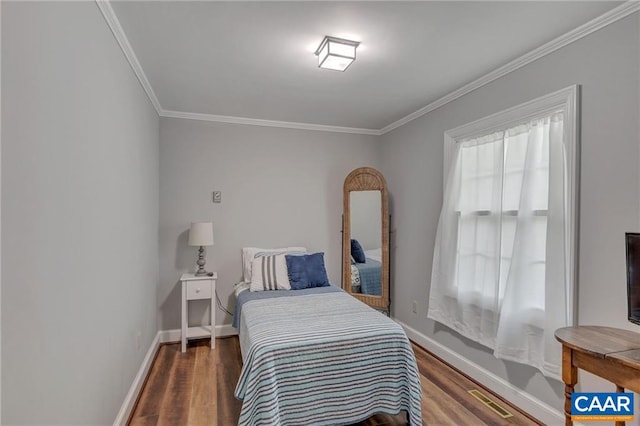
[620, 389]
[570, 378]
[213, 315]
[185, 319]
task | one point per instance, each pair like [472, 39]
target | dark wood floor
[196, 388]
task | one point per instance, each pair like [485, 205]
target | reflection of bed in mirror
[366, 278]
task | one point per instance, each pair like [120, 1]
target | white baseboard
[163, 336]
[527, 402]
[136, 386]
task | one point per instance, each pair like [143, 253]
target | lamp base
[201, 272]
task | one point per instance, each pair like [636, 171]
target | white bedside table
[197, 288]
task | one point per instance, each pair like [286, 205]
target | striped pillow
[269, 273]
[250, 253]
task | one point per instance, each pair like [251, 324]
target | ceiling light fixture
[336, 53]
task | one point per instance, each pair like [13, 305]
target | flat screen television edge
[632, 246]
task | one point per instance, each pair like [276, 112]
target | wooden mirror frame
[366, 179]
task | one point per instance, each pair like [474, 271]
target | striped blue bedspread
[247, 295]
[370, 277]
[323, 359]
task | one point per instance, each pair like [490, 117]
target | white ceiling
[255, 59]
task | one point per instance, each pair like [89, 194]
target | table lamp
[201, 234]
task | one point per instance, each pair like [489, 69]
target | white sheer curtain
[499, 272]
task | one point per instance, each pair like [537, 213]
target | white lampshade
[336, 53]
[201, 234]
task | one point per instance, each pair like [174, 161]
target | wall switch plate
[414, 307]
[217, 196]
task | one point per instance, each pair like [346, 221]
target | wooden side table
[610, 353]
[198, 288]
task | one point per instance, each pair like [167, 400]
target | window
[504, 260]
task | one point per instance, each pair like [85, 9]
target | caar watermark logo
[600, 406]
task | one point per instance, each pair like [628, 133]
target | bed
[320, 357]
[366, 277]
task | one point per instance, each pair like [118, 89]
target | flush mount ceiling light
[336, 53]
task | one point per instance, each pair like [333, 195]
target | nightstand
[198, 288]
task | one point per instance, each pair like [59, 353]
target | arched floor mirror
[365, 238]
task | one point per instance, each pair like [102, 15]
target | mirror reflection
[366, 242]
[365, 238]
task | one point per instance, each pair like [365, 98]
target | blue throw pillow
[316, 272]
[357, 252]
[307, 271]
[297, 270]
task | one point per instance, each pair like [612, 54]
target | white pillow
[240, 287]
[375, 254]
[270, 273]
[249, 253]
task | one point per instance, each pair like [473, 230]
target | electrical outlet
[414, 307]
[217, 196]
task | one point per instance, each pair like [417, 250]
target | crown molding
[595, 24]
[267, 123]
[584, 30]
[114, 24]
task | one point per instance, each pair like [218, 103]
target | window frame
[567, 100]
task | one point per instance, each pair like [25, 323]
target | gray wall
[280, 187]
[79, 216]
[606, 65]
